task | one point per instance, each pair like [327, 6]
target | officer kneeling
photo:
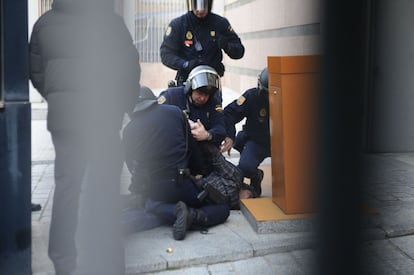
[158, 145]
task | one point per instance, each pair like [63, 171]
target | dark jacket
[83, 62]
[146, 141]
[210, 114]
[157, 142]
[253, 106]
[179, 44]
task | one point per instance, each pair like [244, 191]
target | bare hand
[192, 124]
[226, 145]
[198, 131]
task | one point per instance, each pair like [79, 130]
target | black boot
[199, 219]
[256, 183]
[183, 221]
[187, 217]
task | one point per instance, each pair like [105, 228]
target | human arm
[199, 132]
[226, 145]
[233, 113]
[171, 46]
[229, 41]
[36, 63]
[215, 125]
[197, 161]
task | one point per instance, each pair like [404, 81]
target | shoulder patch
[168, 31]
[161, 99]
[219, 108]
[262, 112]
[231, 28]
[241, 100]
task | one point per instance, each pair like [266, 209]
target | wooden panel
[293, 64]
[276, 135]
[263, 209]
[292, 99]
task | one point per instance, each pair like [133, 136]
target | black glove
[189, 65]
[223, 42]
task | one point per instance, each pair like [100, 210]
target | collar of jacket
[143, 105]
[195, 20]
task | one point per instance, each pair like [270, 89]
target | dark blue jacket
[156, 140]
[179, 44]
[253, 106]
[210, 114]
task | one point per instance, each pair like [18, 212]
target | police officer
[253, 142]
[196, 99]
[158, 145]
[198, 37]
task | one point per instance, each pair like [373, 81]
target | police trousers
[251, 155]
[164, 195]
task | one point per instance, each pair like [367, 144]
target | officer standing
[158, 145]
[198, 38]
[253, 142]
[197, 100]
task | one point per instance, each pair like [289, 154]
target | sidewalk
[234, 247]
[231, 248]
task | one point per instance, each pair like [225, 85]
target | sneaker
[183, 221]
[256, 183]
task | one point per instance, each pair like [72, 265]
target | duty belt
[170, 174]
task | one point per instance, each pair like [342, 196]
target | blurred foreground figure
[84, 64]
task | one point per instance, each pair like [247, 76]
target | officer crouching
[158, 144]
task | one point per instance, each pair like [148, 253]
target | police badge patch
[241, 100]
[161, 100]
[168, 31]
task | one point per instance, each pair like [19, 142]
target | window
[151, 20]
[44, 6]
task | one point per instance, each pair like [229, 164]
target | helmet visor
[206, 82]
[199, 5]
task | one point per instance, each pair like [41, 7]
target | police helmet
[203, 78]
[146, 99]
[199, 5]
[263, 81]
[146, 93]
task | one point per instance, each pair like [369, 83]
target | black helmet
[146, 99]
[204, 78]
[146, 93]
[263, 81]
[199, 4]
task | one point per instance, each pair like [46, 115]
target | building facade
[266, 27]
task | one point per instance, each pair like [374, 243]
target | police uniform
[189, 38]
[210, 114]
[253, 142]
[157, 145]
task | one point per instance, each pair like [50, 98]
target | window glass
[151, 20]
